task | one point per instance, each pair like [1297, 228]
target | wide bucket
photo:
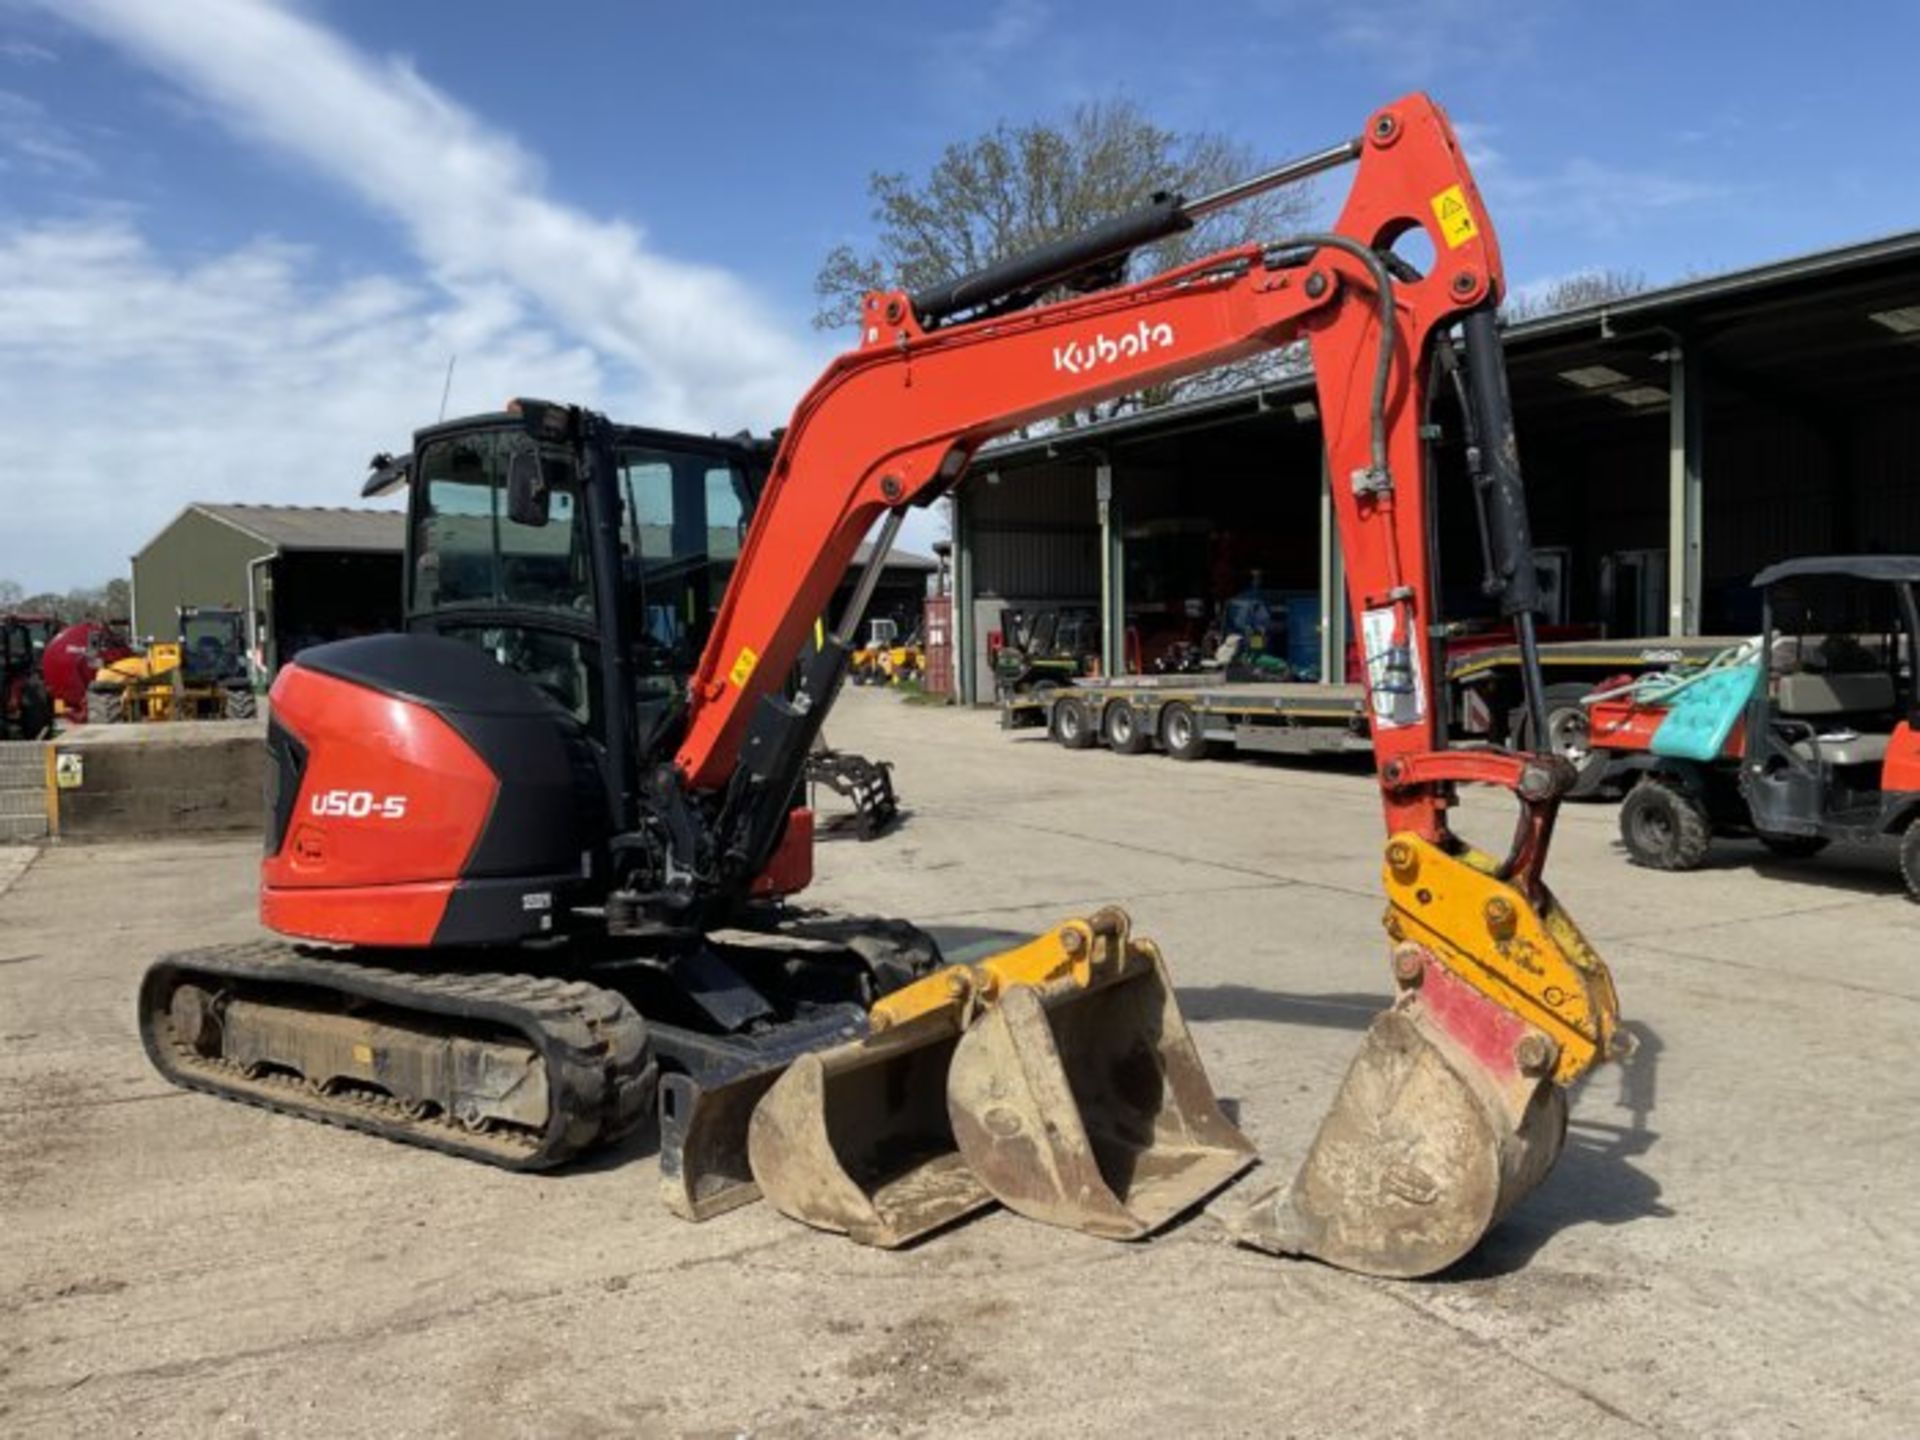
[1083, 1103]
[1430, 1141]
[856, 1138]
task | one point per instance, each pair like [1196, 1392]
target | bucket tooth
[855, 1139]
[1438, 1130]
[1083, 1102]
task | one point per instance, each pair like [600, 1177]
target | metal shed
[1674, 442]
[303, 574]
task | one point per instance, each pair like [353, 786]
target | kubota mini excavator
[524, 783]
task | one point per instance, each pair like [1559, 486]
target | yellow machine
[201, 674]
[886, 659]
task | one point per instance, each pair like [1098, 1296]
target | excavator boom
[1454, 1108]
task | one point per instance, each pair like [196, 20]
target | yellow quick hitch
[1455, 1108]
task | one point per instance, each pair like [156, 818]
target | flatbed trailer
[1189, 716]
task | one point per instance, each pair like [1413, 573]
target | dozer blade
[1084, 1104]
[1455, 1108]
[859, 1138]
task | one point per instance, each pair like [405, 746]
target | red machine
[26, 707]
[72, 658]
[525, 766]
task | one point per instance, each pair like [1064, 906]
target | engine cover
[419, 794]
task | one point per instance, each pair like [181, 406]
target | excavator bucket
[1085, 1105]
[1057, 1077]
[1455, 1107]
[856, 1139]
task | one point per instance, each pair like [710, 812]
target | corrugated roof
[315, 527]
[1648, 306]
[897, 559]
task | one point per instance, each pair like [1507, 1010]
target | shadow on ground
[1595, 1181]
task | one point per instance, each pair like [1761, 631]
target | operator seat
[1814, 698]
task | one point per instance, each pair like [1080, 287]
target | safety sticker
[69, 771]
[743, 666]
[1457, 225]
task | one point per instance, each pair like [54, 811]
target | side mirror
[528, 499]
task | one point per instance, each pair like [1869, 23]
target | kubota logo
[1076, 357]
[358, 804]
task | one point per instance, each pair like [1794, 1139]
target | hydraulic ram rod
[1166, 214]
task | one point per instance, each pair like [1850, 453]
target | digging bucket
[860, 1138]
[1081, 1101]
[1447, 1118]
[856, 1138]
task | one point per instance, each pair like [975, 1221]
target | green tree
[1019, 186]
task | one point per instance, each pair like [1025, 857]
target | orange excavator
[535, 856]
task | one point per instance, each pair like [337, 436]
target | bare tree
[1017, 187]
[1573, 292]
[85, 602]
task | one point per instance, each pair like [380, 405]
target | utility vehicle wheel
[238, 704]
[1664, 827]
[104, 704]
[1910, 858]
[1180, 733]
[1125, 734]
[1793, 847]
[1568, 736]
[1072, 726]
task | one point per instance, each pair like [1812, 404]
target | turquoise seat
[1700, 717]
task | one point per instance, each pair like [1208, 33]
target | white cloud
[31, 141]
[25, 52]
[131, 384]
[1590, 197]
[471, 199]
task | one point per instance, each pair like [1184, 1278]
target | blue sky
[239, 240]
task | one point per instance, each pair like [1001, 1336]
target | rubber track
[601, 1074]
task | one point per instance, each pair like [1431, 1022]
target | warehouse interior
[1674, 443]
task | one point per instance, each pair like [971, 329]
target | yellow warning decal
[1457, 224]
[743, 666]
[363, 1054]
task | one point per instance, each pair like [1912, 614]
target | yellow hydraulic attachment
[1057, 1078]
[1456, 1105]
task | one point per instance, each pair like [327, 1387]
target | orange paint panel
[1900, 771]
[361, 915]
[391, 796]
[791, 868]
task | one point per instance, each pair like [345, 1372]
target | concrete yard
[1731, 1244]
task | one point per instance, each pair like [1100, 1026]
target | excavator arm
[1456, 1106]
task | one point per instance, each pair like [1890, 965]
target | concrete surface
[1730, 1246]
[144, 780]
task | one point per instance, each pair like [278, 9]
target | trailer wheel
[1568, 736]
[1663, 827]
[1125, 734]
[1072, 726]
[1792, 847]
[1910, 858]
[1180, 733]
